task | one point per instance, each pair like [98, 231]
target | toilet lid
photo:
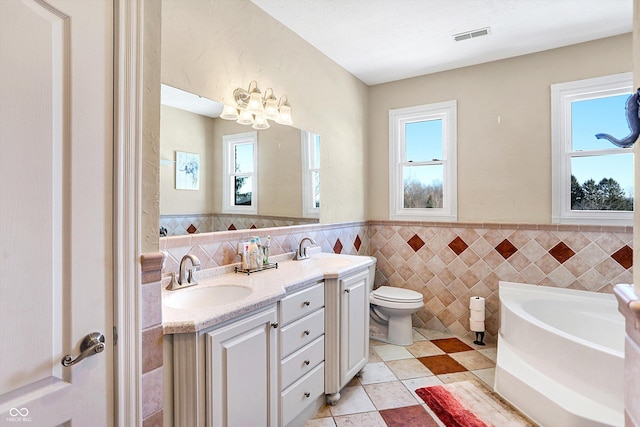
[392, 294]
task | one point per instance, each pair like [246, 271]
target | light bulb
[271, 108]
[229, 112]
[254, 106]
[284, 118]
[245, 118]
[261, 123]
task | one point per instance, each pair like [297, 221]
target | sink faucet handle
[173, 284]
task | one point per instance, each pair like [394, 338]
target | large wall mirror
[281, 187]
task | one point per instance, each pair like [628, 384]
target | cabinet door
[242, 373]
[354, 325]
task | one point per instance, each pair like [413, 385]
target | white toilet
[391, 309]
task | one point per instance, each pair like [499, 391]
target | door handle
[90, 345]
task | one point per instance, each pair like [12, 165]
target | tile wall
[218, 249]
[449, 263]
[151, 323]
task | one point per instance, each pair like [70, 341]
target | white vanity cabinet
[274, 366]
[302, 317]
[347, 329]
[228, 375]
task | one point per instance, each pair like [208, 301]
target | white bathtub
[561, 355]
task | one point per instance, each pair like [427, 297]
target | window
[592, 181]
[422, 162]
[240, 172]
[310, 174]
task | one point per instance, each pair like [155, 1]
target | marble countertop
[267, 287]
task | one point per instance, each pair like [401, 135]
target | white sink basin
[206, 297]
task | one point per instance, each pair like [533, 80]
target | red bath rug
[471, 404]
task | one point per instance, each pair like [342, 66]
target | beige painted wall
[504, 170]
[184, 131]
[150, 182]
[212, 47]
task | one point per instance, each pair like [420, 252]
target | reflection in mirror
[191, 124]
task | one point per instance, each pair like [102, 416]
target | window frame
[228, 173]
[562, 95]
[309, 156]
[398, 118]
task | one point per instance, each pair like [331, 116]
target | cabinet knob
[346, 291]
[307, 332]
[306, 362]
[274, 325]
[307, 303]
[307, 394]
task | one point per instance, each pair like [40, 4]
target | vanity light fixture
[252, 108]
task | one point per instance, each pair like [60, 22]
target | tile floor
[384, 396]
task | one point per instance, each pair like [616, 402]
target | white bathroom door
[56, 138]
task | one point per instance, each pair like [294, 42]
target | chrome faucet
[185, 277]
[301, 253]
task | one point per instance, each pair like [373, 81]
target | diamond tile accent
[337, 248]
[231, 227]
[442, 364]
[624, 256]
[357, 243]
[451, 345]
[561, 252]
[458, 245]
[506, 248]
[415, 242]
[253, 226]
[192, 229]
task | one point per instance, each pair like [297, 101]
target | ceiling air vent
[472, 34]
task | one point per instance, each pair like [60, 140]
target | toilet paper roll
[477, 315]
[476, 325]
[476, 303]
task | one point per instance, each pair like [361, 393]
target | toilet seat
[397, 295]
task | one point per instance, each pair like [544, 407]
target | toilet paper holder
[476, 306]
[479, 338]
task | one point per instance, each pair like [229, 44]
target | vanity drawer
[301, 362]
[301, 303]
[301, 332]
[302, 393]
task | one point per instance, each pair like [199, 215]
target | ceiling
[385, 40]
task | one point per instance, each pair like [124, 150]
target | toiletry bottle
[253, 255]
[265, 251]
[259, 261]
[245, 256]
